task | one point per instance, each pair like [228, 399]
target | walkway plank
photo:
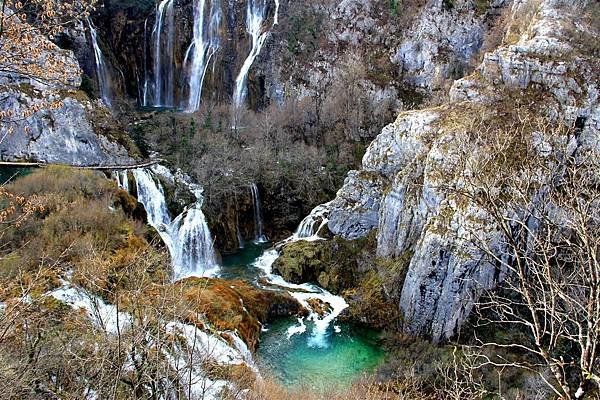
[145, 164]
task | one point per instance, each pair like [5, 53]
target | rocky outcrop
[417, 165]
[51, 121]
[55, 135]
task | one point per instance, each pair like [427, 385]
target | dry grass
[366, 389]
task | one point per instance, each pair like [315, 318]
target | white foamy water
[303, 293]
[187, 237]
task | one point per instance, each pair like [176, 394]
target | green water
[348, 354]
[10, 174]
[239, 265]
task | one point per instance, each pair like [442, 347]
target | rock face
[420, 44]
[53, 121]
[412, 171]
[61, 135]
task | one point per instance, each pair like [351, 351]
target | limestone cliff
[52, 121]
[405, 188]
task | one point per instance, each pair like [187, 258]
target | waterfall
[259, 234]
[102, 72]
[276, 17]
[122, 179]
[187, 237]
[204, 45]
[163, 68]
[146, 78]
[255, 16]
[313, 223]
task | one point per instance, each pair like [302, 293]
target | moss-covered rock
[236, 306]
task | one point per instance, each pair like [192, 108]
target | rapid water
[163, 36]
[102, 71]
[187, 237]
[204, 45]
[255, 17]
[259, 226]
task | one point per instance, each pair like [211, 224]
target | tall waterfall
[102, 71]
[259, 234]
[146, 77]
[204, 45]
[187, 237]
[255, 16]
[163, 67]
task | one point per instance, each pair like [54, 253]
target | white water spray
[313, 224]
[102, 71]
[187, 237]
[255, 16]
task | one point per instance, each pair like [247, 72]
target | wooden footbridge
[144, 164]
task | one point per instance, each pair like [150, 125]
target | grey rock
[61, 135]
[415, 161]
[354, 212]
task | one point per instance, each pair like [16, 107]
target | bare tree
[539, 186]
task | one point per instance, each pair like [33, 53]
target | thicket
[298, 152]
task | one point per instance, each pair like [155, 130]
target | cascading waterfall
[203, 47]
[163, 67]
[187, 237]
[259, 234]
[308, 229]
[313, 223]
[102, 71]
[122, 179]
[255, 16]
[303, 293]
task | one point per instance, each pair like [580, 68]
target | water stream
[313, 351]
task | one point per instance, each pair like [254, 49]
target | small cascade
[259, 234]
[313, 223]
[187, 237]
[303, 293]
[122, 179]
[255, 17]
[163, 35]
[102, 71]
[203, 47]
